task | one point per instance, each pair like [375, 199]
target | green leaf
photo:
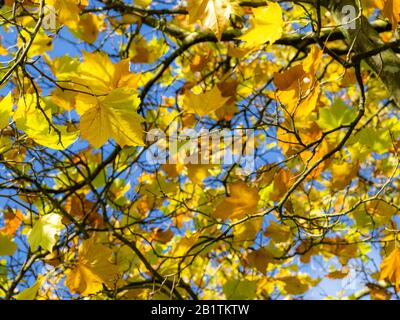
[335, 116]
[44, 231]
[7, 247]
[376, 140]
[35, 123]
[31, 292]
[240, 289]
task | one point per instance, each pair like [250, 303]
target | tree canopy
[199, 149]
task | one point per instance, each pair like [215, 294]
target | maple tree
[84, 213]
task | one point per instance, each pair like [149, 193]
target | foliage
[85, 213]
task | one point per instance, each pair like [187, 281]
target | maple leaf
[5, 111]
[97, 75]
[278, 232]
[111, 116]
[83, 209]
[31, 292]
[236, 289]
[391, 10]
[212, 14]
[45, 231]
[37, 124]
[298, 89]
[92, 270]
[198, 172]
[242, 200]
[12, 221]
[266, 26]
[7, 246]
[260, 259]
[204, 103]
[390, 268]
[88, 27]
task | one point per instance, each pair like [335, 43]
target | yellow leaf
[245, 233]
[338, 274]
[31, 292]
[390, 268]
[99, 76]
[142, 3]
[88, 27]
[112, 116]
[45, 231]
[3, 51]
[391, 10]
[380, 208]
[266, 26]
[242, 200]
[144, 51]
[342, 174]
[92, 270]
[5, 111]
[198, 172]
[40, 45]
[204, 103]
[298, 88]
[212, 14]
[67, 11]
[293, 285]
[37, 124]
[278, 232]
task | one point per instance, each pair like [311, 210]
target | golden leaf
[204, 103]
[266, 26]
[212, 14]
[390, 268]
[92, 270]
[242, 200]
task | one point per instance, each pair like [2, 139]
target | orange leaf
[12, 221]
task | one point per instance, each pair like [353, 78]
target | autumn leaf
[31, 292]
[298, 89]
[381, 208]
[212, 14]
[242, 200]
[12, 221]
[338, 114]
[45, 231]
[390, 268]
[97, 75]
[163, 236]
[260, 259]
[67, 11]
[112, 116]
[143, 3]
[198, 172]
[266, 25]
[391, 10]
[92, 269]
[236, 289]
[278, 232]
[84, 210]
[204, 103]
[5, 111]
[338, 274]
[35, 119]
[294, 285]
[7, 246]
